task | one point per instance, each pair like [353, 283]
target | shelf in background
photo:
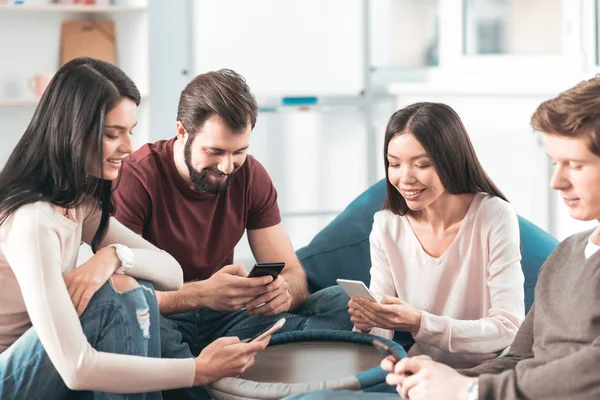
[70, 8]
[32, 101]
[325, 102]
[18, 102]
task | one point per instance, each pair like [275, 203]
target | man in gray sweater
[556, 353]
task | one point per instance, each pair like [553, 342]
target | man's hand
[277, 299]
[226, 356]
[392, 313]
[84, 281]
[421, 378]
[229, 289]
[273, 244]
[358, 319]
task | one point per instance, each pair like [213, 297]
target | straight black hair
[443, 136]
[55, 157]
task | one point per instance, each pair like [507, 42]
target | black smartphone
[263, 269]
[386, 350]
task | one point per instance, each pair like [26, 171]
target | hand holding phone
[229, 290]
[225, 356]
[272, 269]
[269, 331]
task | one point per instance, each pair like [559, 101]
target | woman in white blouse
[445, 249]
[92, 328]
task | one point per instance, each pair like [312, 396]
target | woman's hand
[421, 378]
[358, 319]
[226, 356]
[83, 282]
[392, 313]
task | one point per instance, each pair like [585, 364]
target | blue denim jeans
[185, 335]
[110, 325]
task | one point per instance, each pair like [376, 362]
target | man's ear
[181, 132]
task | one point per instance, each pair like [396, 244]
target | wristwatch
[473, 392]
[125, 255]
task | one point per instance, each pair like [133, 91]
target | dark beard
[200, 179]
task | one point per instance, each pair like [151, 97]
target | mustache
[214, 171]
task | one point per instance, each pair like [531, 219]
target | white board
[283, 47]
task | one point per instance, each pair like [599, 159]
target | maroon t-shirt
[200, 230]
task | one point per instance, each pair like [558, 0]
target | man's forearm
[186, 299]
[298, 287]
[494, 366]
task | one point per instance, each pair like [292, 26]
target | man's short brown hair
[223, 93]
[573, 113]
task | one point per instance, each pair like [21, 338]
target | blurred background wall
[327, 75]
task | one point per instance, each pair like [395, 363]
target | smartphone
[269, 331]
[356, 288]
[267, 269]
[386, 350]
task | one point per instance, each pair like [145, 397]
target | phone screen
[356, 288]
[267, 269]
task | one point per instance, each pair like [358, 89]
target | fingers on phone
[276, 284]
[256, 345]
[261, 301]
[248, 364]
[260, 281]
[262, 343]
[234, 269]
[228, 340]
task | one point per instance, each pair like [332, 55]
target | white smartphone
[356, 288]
[269, 331]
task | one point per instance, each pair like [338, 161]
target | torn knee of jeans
[123, 283]
[147, 288]
[121, 288]
[143, 318]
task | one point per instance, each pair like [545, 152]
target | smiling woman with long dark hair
[445, 249]
[92, 328]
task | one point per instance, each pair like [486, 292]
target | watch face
[127, 259]
[473, 393]
[125, 255]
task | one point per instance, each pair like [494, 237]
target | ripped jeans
[26, 372]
